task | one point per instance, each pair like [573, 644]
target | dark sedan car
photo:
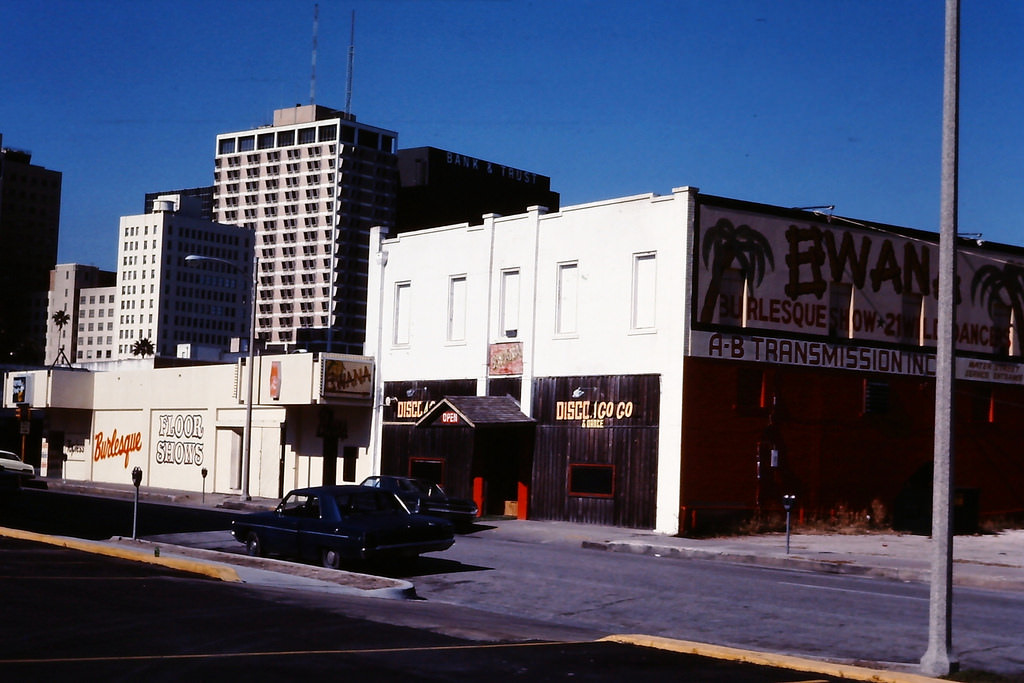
[331, 524]
[426, 497]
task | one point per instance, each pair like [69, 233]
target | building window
[227, 146]
[246, 143]
[644, 281]
[285, 138]
[427, 468]
[457, 308]
[307, 136]
[509, 311]
[751, 390]
[592, 481]
[982, 404]
[402, 322]
[567, 294]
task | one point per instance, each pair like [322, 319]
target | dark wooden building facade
[589, 455]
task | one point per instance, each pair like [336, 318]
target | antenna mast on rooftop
[312, 77]
[351, 58]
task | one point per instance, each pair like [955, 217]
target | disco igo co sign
[179, 439]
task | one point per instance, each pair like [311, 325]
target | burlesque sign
[114, 445]
[836, 279]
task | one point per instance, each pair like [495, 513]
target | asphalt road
[79, 616]
[832, 616]
[509, 588]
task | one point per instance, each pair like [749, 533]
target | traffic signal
[22, 412]
[17, 413]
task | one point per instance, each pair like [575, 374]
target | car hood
[16, 466]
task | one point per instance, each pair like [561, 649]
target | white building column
[674, 318]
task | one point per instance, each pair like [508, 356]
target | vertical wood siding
[630, 445]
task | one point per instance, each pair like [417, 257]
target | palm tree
[142, 347]
[60, 319]
[1000, 287]
[731, 244]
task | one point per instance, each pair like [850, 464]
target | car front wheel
[330, 558]
[253, 546]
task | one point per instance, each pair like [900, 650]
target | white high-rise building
[86, 295]
[309, 187]
[169, 301]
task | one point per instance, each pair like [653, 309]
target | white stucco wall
[174, 422]
[602, 239]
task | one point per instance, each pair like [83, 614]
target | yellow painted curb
[220, 572]
[848, 671]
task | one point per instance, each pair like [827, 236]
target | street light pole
[250, 365]
[939, 660]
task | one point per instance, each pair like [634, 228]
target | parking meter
[787, 503]
[137, 480]
[204, 472]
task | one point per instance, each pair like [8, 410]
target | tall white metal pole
[251, 363]
[377, 431]
[938, 660]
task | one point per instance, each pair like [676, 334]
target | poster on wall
[505, 358]
[836, 278]
[346, 377]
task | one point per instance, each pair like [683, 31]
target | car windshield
[423, 486]
[367, 502]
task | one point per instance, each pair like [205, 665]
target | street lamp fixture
[250, 364]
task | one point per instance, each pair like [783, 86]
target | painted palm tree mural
[1000, 287]
[728, 245]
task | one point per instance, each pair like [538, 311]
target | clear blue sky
[787, 102]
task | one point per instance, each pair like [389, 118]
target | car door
[313, 531]
[282, 537]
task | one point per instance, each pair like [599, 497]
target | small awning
[474, 411]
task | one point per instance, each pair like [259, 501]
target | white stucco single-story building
[185, 426]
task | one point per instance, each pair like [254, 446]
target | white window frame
[457, 293]
[567, 279]
[508, 307]
[402, 323]
[643, 309]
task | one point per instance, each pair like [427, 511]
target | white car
[13, 470]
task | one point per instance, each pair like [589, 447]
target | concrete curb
[355, 583]
[836, 566]
[847, 671]
[226, 567]
[216, 571]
